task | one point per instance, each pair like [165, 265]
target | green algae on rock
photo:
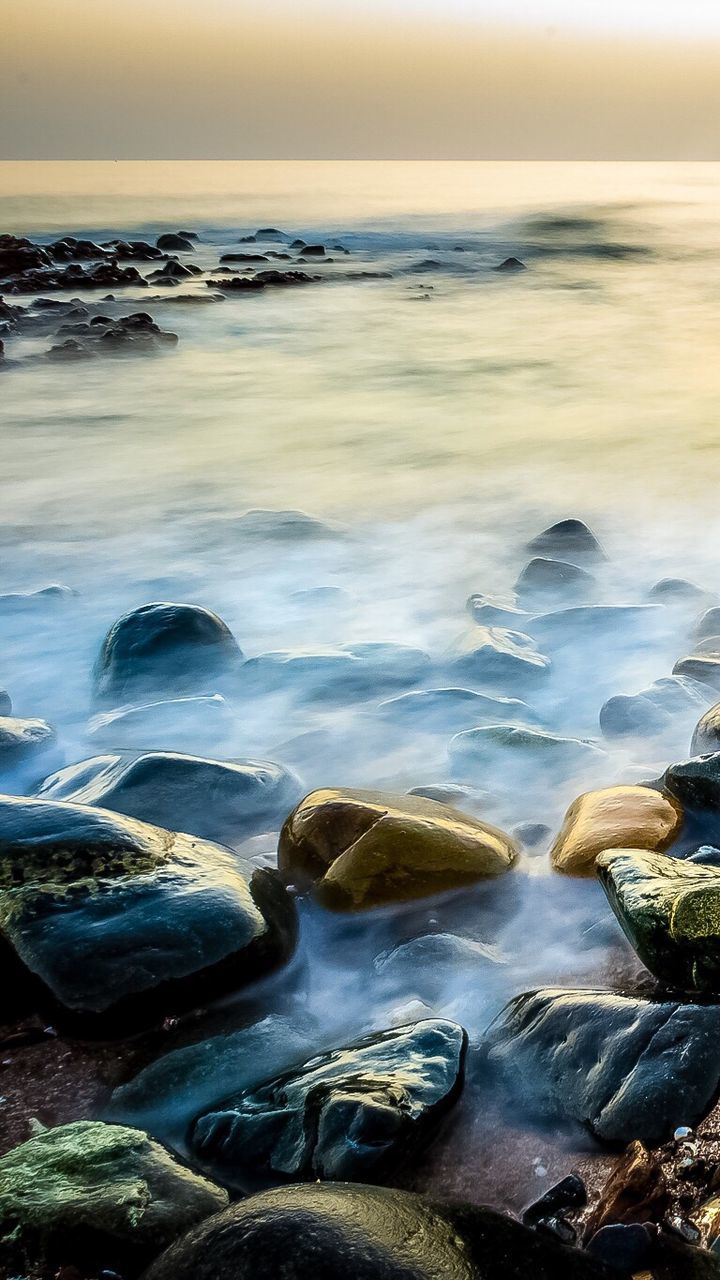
[119, 922]
[98, 1193]
[669, 909]
[358, 849]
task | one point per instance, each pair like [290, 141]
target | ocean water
[433, 419]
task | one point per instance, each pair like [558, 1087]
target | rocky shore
[175, 1103]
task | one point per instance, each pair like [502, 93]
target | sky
[385, 79]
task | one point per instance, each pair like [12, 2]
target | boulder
[624, 1068]
[427, 966]
[494, 657]
[670, 910]
[677, 591]
[359, 849]
[216, 799]
[611, 818]
[95, 1194]
[618, 626]
[568, 539]
[337, 672]
[706, 735]
[285, 526]
[489, 611]
[165, 648]
[172, 242]
[695, 783]
[118, 923]
[708, 624]
[510, 749]
[357, 1112]
[333, 1231]
[653, 710]
[542, 578]
[36, 601]
[510, 265]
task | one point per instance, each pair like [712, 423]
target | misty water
[431, 419]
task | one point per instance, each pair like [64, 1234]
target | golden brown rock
[359, 849]
[635, 1192]
[614, 818]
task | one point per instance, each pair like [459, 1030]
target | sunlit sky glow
[494, 79]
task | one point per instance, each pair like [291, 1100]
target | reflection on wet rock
[359, 849]
[356, 1112]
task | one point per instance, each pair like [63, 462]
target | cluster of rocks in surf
[130, 903]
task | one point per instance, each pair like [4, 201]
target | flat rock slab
[620, 1067]
[356, 1112]
[121, 922]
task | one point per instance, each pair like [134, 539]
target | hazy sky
[360, 78]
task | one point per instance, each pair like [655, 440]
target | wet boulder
[329, 1231]
[36, 601]
[704, 667]
[568, 539]
[198, 723]
[216, 799]
[18, 255]
[91, 1193]
[25, 742]
[510, 266]
[497, 658]
[613, 818]
[165, 648]
[623, 1068]
[357, 1112]
[492, 611]
[667, 702]
[510, 750]
[429, 965]
[708, 624]
[581, 627]
[678, 591]
[695, 783]
[542, 578]
[360, 849]
[117, 922]
[669, 909]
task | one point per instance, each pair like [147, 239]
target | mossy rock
[97, 1194]
[359, 849]
[670, 910]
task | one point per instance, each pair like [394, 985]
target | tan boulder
[359, 849]
[614, 818]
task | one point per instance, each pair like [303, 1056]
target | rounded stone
[611, 818]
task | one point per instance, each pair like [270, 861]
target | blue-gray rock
[706, 735]
[451, 710]
[173, 724]
[677, 591]
[496, 658]
[118, 922]
[491, 611]
[542, 578]
[653, 710]
[568, 539]
[624, 1068]
[616, 626]
[334, 1231]
[429, 964]
[165, 649]
[704, 667]
[225, 800]
[356, 1112]
[708, 624]
[343, 671]
[513, 749]
[286, 526]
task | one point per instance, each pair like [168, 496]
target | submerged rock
[543, 577]
[568, 538]
[704, 667]
[452, 709]
[613, 818]
[706, 736]
[617, 626]
[119, 922]
[428, 965]
[493, 656]
[176, 648]
[330, 1231]
[653, 710]
[708, 624]
[93, 1193]
[285, 526]
[359, 849]
[339, 672]
[174, 724]
[510, 265]
[23, 601]
[621, 1067]
[670, 910]
[359, 1111]
[24, 741]
[677, 591]
[173, 242]
[507, 748]
[490, 611]
[216, 799]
